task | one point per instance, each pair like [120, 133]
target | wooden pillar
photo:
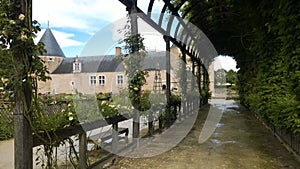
[200, 82]
[204, 83]
[134, 31]
[150, 123]
[115, 139]
[184, 86]
[168, 81]
[82, 151]
[160, 120]
[23, 139]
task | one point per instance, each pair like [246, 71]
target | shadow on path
[237, 141]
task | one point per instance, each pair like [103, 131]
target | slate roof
[109, 63]
[51, 45]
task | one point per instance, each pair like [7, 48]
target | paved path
[238, 141]
[6, 154]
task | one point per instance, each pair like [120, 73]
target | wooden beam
[23, 155]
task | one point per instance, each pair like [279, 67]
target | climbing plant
[263, 37]
[20, 71]
[134, 45]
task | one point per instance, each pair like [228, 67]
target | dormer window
[76, 66]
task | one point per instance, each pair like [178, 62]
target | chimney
[118, 51]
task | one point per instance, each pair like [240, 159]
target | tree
[231, 77]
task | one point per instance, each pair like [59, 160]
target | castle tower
[54, 55]
[52, 58]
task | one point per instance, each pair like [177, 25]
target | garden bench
[104, 136]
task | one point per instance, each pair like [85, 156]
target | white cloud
[225, 62]
[88, 16]
[62, 38]
[79, 14]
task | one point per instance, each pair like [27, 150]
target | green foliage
[264, 39]
[231, 77]
[6, 123]
[134, 71]
[175, 99]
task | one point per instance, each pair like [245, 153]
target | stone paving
[237, 141]
[220, 136]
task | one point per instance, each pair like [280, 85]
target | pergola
[190, 40]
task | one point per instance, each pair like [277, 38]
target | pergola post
[23, 139]
[204, 83]
[184, 86]
[168, 81]
[193, 85]
[132, 10]
[115, 139]
[82, 150]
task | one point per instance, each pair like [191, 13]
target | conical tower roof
[51, 45]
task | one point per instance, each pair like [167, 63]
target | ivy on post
[133, 44]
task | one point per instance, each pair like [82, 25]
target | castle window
[120, 80]
[76, 66]
[101, 80]
[93, 80]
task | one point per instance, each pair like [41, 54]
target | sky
[78, 24]
[225, 62]
[75, 22]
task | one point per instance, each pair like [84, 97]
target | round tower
[52, 59]
[54, 55]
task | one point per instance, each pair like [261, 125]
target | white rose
[21, 17]
[12, 22]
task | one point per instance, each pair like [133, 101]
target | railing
[290, 139]
[81, 130]
[179, 112]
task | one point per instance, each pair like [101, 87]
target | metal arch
[150, 6]
[170, 22]
[162, 15]
[193, 52]
[175, 13]
[177, 29]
